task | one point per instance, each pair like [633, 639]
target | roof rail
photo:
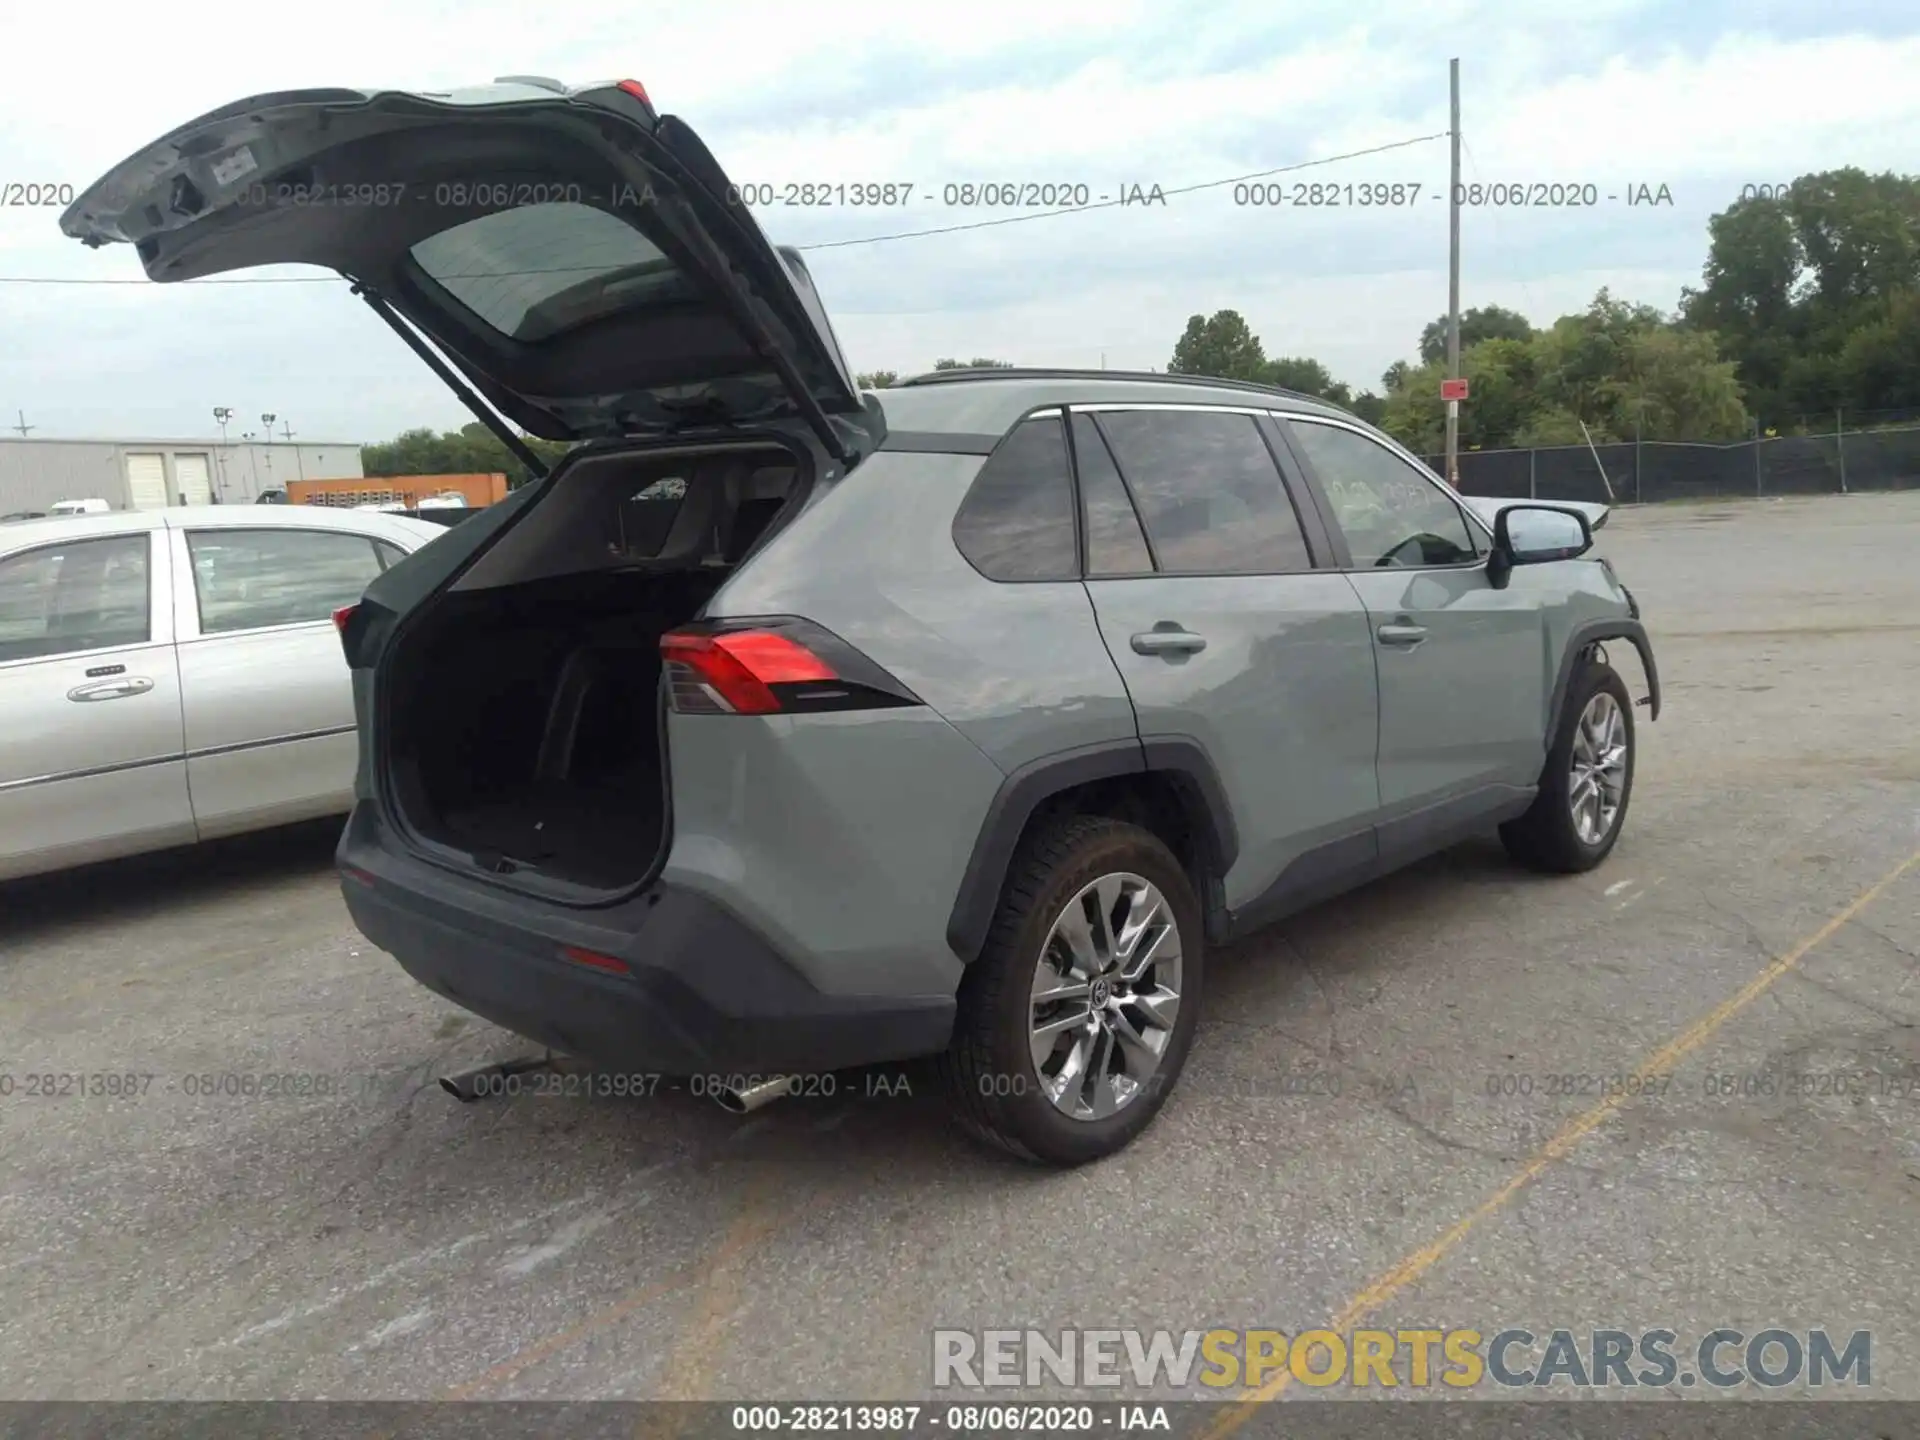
[1012, 372]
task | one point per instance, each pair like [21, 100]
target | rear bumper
[704, 993]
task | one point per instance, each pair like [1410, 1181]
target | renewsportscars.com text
[1510, 1358]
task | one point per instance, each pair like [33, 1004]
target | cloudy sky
[1702, 98]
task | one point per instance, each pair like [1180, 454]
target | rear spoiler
[1488, 506]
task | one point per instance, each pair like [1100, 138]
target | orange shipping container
[408, 490]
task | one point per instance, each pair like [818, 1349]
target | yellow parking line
[1392, 1282]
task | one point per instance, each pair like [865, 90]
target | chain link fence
[1650, 471]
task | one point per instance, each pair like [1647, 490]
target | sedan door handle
[1170, 641]
[1401, 635]
[113, 689]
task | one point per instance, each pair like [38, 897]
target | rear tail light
[350, 636]
[778, 666]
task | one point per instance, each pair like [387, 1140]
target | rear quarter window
[1016, 523]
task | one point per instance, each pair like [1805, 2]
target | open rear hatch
[575, 258]
[574, 254]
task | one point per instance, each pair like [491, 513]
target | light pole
[221, 415]
[266, 422]
[253, 461]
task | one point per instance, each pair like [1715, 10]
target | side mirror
[1537, 535]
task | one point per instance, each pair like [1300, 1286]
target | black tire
[1545, 838]
[988, 1072]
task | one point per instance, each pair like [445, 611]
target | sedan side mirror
[1537, 535]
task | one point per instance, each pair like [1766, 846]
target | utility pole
[23, 427]
[1453, 280]
[299, 460]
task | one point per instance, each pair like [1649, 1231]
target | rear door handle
[1403, 636]
[1171, 641]
[113, 689]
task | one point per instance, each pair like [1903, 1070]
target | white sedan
[169, 676]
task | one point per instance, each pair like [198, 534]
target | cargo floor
[602, 833]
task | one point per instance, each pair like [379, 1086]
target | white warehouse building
[153, 474]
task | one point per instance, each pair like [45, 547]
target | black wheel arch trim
[1583, 638]
[1181, 758]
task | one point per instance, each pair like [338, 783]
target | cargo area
[524, 704]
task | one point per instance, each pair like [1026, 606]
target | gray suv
[783, 728]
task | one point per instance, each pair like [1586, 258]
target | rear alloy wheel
[1076, 1019]
[1576, 817]
[1106, 995]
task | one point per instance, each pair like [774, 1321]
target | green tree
[876, 379]
[1556, 426]
[1306, 377]
[977, 363]
[1581, 359]
[1395, 376]
[1879, 365]
[1608, 366]
[1370, 407]
[1501, 378]
[1673, 384]
[471, 450]
[1791, 279]
[1483, 322]
[1221, 345]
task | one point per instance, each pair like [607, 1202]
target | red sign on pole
[1453, 389]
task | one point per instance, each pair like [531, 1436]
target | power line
[1109, 204]
[822, 245]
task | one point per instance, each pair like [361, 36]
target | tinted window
[245, 579]
[535, 270]
[390, 555]
[1390, 513]
[1208, 491]
[1017, 521]
[82, 595]
[1115, 544]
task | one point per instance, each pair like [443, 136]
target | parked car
[781, 729]
[22, 515]
[81, 507]
[173, 675]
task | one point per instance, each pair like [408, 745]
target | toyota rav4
[783, 727]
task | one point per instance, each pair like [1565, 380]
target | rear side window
[1017, 521]
[1116, 545]
[84, 595]
[1209, 493]
[249, 579]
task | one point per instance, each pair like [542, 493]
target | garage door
[147, 481]
[194, 483]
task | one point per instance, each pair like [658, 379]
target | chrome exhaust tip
[745, 1100]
